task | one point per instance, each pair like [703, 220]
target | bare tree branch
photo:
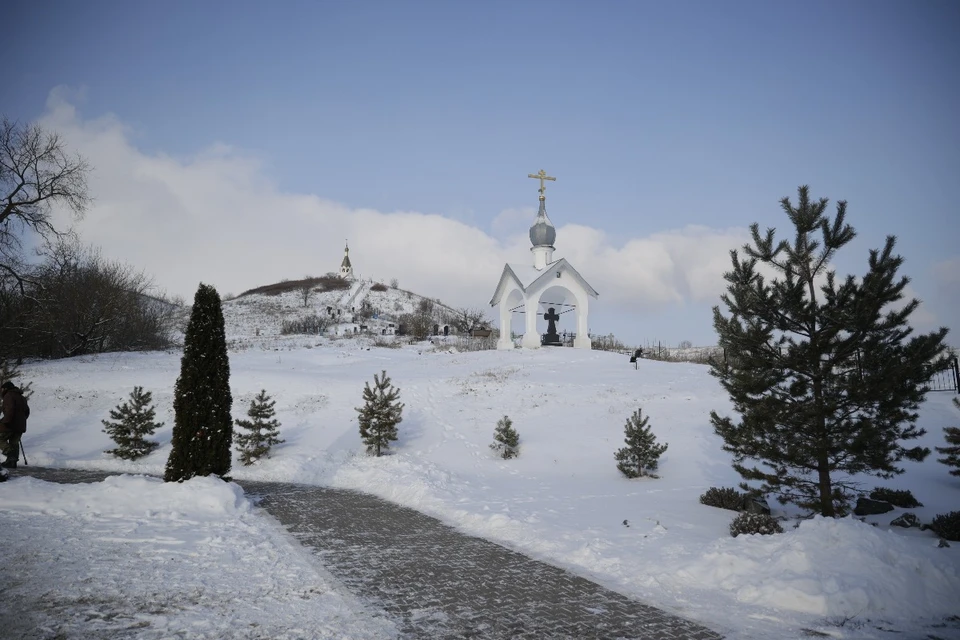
[36, 173]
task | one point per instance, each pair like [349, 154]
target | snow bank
[199, 498]
[833, 568]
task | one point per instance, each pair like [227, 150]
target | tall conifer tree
[824, 373]
[951, 454]
[380, 414]
[203, 427]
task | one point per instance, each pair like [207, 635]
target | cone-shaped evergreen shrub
[642, 453]
[203, 427]
[902, 498]
[723, 498]
[947, 525]
[132, 422]
[380, 414]
[951, 454]
[260, 431]
[506, 439]
[824, 371]
[761, 523]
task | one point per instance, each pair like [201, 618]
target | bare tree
[467, 319]
[419, 324]
[306, 289]
[36, 172]
[76, 303]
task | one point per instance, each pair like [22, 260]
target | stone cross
[541, 176]
[551, 317]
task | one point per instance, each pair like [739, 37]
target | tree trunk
[826, 499]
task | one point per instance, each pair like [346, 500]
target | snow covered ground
[198, 557]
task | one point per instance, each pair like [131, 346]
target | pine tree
[821, 371]
[133, 421]
[203, 427]
[380, 414]
[262, 430]
[642, 453]
[10, 370]
[507, 440]
[952, 453]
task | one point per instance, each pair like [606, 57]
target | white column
[505, 341]
[531, 339]
[582, 341]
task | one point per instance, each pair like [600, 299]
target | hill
[330, 306]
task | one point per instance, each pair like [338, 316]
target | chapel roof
[529, 277]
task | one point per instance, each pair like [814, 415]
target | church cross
[541, 176]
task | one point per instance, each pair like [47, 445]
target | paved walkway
[438, 583]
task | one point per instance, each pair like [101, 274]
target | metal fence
[947, 379]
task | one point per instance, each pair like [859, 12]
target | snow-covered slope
[563, 499]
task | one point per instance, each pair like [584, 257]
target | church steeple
[542, 234]
[346, 269]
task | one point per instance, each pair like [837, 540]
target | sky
[242, 143]
[562, 500]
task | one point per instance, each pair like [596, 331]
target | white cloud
[513, 220]
[217, 218]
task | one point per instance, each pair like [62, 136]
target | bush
[310, 325]
[260, 433]
[723, 498]
[747, 523]
[896, 497]
[607, 343]
[378, 287]
[329, 282]
[947, 525]
[385, 342]
[506, 439]
[380, 414]
[642, 453]
[133, 421]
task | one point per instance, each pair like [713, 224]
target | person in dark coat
[13, 423]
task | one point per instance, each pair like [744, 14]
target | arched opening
[513, 303]
[556, 316]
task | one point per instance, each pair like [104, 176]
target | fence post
[956, 374]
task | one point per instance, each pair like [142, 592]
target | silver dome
[542, 233]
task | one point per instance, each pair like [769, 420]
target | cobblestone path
[438, 583]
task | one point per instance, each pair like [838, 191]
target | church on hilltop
[548, 288]
[346, 269]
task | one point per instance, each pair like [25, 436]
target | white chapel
[346, 269]
[547, 288]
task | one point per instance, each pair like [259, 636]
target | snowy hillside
[256, 319]
[561, 500]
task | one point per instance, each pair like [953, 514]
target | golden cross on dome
[541, 177]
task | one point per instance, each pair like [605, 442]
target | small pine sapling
[261, 429]
[951, 454]
[133, 421]
[507, 440]
[642, 452]
[380, 414]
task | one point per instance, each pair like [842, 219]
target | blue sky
[410, 127]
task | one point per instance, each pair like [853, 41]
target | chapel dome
[542, 233]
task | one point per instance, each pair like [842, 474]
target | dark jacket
[15, 411]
